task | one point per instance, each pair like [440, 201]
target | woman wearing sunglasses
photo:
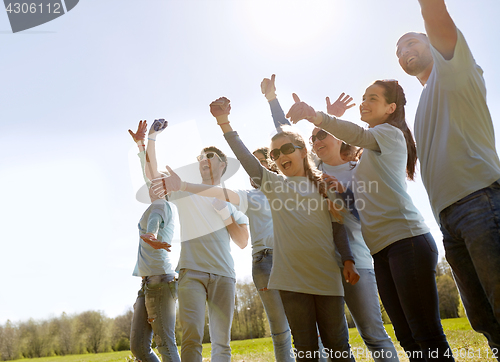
[255, 205]
[403, 250]
[304, 268]
[337, 161]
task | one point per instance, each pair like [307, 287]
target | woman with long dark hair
[402, 247]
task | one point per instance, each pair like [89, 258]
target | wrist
[270, 96]
[152, 137]
[224, 119]
[183, 186]
[318, 119]
[140, 143]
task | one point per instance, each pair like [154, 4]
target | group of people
[320, 235]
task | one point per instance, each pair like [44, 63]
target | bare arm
[214, 191]
[151, 164]
[238, 232]
[439, 26]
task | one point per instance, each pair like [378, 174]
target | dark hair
[221, 154]
[272, 166]
[393, 93]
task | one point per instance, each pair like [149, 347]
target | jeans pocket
[430, 242]
[173, 286]
[257, 258]
[470, 197]
[182, 272]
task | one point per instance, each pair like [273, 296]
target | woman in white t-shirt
[402, 247]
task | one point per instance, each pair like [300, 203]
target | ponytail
[394, 94]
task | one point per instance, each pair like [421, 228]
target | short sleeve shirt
[454, 131]
[205, 241]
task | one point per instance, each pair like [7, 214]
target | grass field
[466, 344]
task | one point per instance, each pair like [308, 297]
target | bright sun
[292, 22]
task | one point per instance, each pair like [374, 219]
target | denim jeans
[154, 313]
[362, 301]
[195, 289]
[406, 278]
[280, 331]
[304, 312]
[471, 233]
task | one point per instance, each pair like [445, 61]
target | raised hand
[157, 127]
[150, 239]
[220, 107]
[339, 107]
[268, 87]
[140, 134]
[333, 183]
[300, 110]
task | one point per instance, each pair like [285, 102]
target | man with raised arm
[459, 163]
[206, 267]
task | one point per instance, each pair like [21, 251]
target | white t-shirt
[204, 238]
[304, 252]
[454, 131]
[255, 205]
[386, 210]
[361, 253]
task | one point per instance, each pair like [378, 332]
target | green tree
[10, 341]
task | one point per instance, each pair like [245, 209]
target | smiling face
[326, 148]
[293, 163]
[414, 54]
[374, 109]
[211, 169]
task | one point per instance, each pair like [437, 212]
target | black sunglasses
[321, 135]
[286, 149]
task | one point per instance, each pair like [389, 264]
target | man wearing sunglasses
[206, 267]
[458, 160]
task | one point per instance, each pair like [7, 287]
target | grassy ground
[466, 344]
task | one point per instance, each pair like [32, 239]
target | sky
[71, 88]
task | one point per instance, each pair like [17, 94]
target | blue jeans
[406, 278]
[195, 289]
[304, 312]
[280, 332]
[362, 301]
[154, 312]
[471, 233]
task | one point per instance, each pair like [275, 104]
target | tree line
[94, 332]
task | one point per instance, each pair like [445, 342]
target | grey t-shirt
[454, 131]
[152, 261]
[361, 253]
[205, 240]
[260, 218]
[304, 252]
